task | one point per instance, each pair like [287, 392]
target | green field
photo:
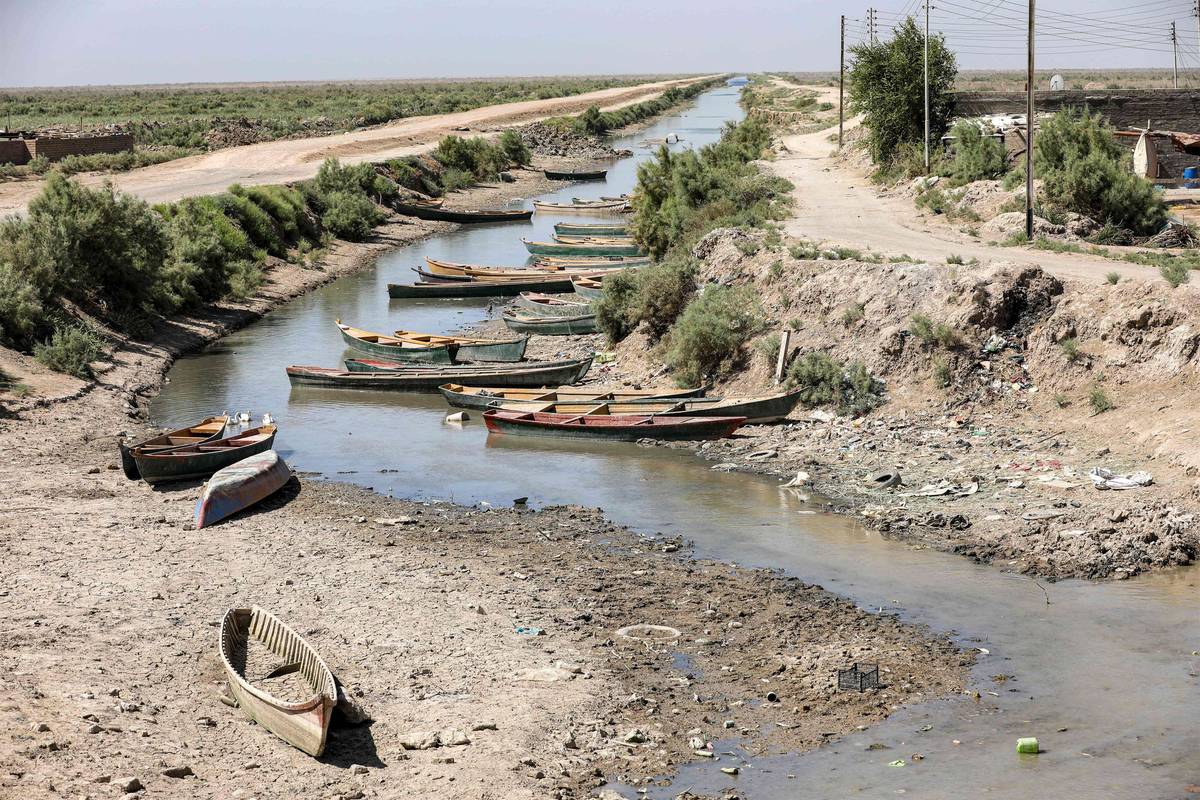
[203, 117]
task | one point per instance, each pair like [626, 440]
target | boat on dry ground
[202, 460]
[207, 430]
[416, 380]
[756, 410]
[588, 288]
[607, 427]
[566, 304]
[474, 396]
[257, 649]
[550, 324]
[240, 486]
[577, 175]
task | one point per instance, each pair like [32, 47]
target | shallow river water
[1105, 675]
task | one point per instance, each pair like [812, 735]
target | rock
[94, 729]
[128, 707]
[453, 737]
[729, 724]
[635, 736]
[130, 784]
[485, 726]
[358, 769]
[178, 772]
[41, 727]
[547, 675]
[420, 740]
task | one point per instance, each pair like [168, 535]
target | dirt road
[297, 159]
[837, 204]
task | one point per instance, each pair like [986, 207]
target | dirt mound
[558, 140]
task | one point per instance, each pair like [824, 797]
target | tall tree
[887, 86]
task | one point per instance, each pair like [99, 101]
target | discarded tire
[648, 633]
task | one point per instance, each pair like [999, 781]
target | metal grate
[860, 677]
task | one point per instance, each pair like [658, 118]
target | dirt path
[297, 159]
[837, 204]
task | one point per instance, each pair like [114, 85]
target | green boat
[553, 325]
[415, 380]
[551, 305]
[408, 346]
[202, 460]
[378, 344]
[473, 288]
[457, 371]
[583, 229]
[595, 249]
[588, 289]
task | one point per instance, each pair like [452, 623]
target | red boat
[610, 427]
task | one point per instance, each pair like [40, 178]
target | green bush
[886, 84]
[22, 310]
[1112, 278]
[710, 336]
[664, 291]
[455, 179]
[1099, 400]
[476, 157]
[822, 381]
[351, 216]
[1175, 273]
[334, 177]
[257, 223]
[1084, 170]
[616, 309]
[71, 349]
[287, 208]
[514, 148]
[206, 249]
[978, 155]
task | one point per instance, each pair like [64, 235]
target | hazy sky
[59, 42]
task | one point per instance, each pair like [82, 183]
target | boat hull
[428, 382]
[535, 304]
[587, 175]
[558, 249]
[583, 229]
[241, 485]
[552, 325]
[426, 355]
[304, 724]
[207, 430]
[756, 410]
[606, 209]
[621, 428]
[190, 463]
[456, 397]
[441, 214]
[589, 293]
[472, 288]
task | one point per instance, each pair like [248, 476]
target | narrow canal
[1105, 674]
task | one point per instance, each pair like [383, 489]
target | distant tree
[887, 86]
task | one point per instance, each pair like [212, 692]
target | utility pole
[1196, 14]
[871, 25]
[1175, 55]
[842, 84]
[1029, 114]
[927, 86]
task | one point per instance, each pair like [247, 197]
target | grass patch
[943, 376]
[1099, 400]
[1112, 278]
[853, 313]
[1070, 349]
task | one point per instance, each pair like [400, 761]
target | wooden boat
[240, 486]
[580, 175]
[585, 229]
[618, 428]
[378, 344]
[599, 262]
[407, 346]
[572, 208]
[590, 288]
[201, 460]
[209, 429]
[481, 288]
[624, 198]
[563, 238]
[449, 270]
[461, 396]
[550, 325]
[463, 371]
[583, 201]
[755, 410]
[593, 249]
[538, 304]
[304, 722]
[411, 380]
[461, 216]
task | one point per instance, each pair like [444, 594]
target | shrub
[822, 381]
[257, 223]
[287, 208]
[476, 157]
[769, 347]
[709, 337]
[1061, 400]
[615, 310]
[1085, 170]
[71, 349]
[1070, 348]
[455, 179]
[1174, 273]
[921, 327]
[954, 260]
[977, 154]
[943, 376]
[887, 86]
[853, 313]
[350, 215]
[1112, 278]
[664, 291]
[1099, 400]
[205, 245]
[334, 177]
[514, 148]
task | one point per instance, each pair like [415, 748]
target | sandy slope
[837, 204]
[297, 159]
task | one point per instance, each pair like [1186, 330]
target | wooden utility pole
[1175, 55]
[927, 87]
[842, 84]
[1029, 116]
[871, 25]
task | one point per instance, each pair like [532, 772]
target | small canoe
[461, 216]
[584, 229]
[240, 486]
[756, 410]
[550, 325]
[209, 429]
[600, 262]
[303, 721]
[578, 175]
[585, 249]
[563, 238]
[379, 344]
[572, 208]
[589, 289]
[481, 397]
[624, 198]
[480, 288]
[202, 460]
[463, 371]
[621, 428]
[450, 269]
[421, 381]
[538, 304]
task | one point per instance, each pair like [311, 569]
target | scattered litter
[458, 417]
[643, 632]
[899, 762]
[859, 676]
[527, 630]
[1028, 744]
[1107, 479]
[885, 480]
[801, 478]
[1035, 516]
[395, 521]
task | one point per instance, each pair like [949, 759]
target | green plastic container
[1027, 744]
